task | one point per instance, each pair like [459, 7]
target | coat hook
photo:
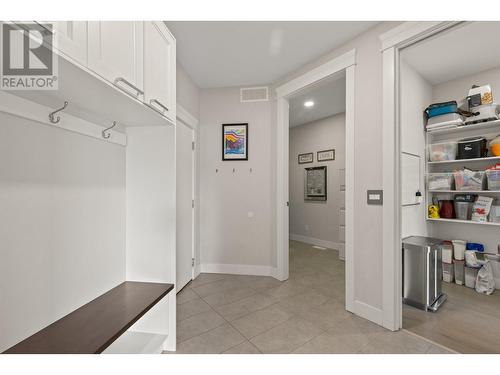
[216, 170]
[250, 170]
[234, 170]
[52, 117]
[105, 133]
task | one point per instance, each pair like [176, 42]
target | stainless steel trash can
[422, 273]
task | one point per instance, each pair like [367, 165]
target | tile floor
[219, 313]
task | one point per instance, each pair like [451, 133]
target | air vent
[254, 94]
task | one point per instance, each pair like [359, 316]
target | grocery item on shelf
[493, 177]
[483, 113]
[472, 148]
[495, 146]
[495, 214]
[440, 181]
[463, 205]
[481, 209]
[446, 209]
[443, 151]
[467, 179]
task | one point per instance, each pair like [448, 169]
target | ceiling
[328, 98]
[464, 50]
[225, 54]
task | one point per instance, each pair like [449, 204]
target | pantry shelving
[465, 161]
[465, 191]
[457, 221]
[484, 126]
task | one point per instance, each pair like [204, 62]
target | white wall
[188, 93]
[317, 220]
[368, 162]
[62, 224]
[416, 95]
[236, 210]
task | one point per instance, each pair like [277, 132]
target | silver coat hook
[105, 132]
[52, 117]
[234, 170]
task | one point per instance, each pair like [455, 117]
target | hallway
[219, 313]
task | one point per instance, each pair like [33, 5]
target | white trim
[369, 312]
[29, 110]
[186, 117]
[344, 63]
[412, 31]
[393, 41]
[238, 269]
[335, 65]
[329, 245]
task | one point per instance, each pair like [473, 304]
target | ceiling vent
[254, 94]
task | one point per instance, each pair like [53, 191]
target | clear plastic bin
[440, 181]
[459, 269]
[493, 179]
[443, 151]
[448, 272]
[469, 180]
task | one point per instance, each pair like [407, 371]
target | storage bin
[440, 181]
[447, 252]
[443, 151]
[458, 249]
[444, 119]
[467, 180]
[463, 210]
[448, 272]
[470, 276]
[459, 269]
[495, 214]
[472, 148]
[493, 177]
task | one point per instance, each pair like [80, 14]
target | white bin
[448, 272]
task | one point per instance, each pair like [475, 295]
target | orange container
[495, 149]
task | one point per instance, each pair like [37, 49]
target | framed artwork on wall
[315, 184]
[326, 155]
[235, 141]
[306, 158]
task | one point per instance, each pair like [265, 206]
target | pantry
[450, 178]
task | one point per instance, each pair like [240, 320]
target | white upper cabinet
[159, 68]
[115, 52]
[71, 39]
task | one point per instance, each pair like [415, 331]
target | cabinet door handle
[157, 102]
[123, 80]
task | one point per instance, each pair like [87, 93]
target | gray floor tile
[205, 278]
[246, 347]
[303, 301]
[186, 295]
[328, 343]
[191, 308]
[395, 343]
[198, 324]
[260, 321]
[243, 307]
[229, 296]
[286, 337]
[218, 286]
[287, 289]
[215, 341]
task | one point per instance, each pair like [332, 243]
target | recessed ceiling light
[309, 103]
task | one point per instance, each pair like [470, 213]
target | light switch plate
[375, 197]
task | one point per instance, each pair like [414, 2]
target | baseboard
[238, 269]
[368, 312]
[315, 241]
[197, 271]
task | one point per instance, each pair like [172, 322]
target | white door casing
[344, 63]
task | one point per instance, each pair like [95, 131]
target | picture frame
[325, 155]
[305, 158]
[315, 184]
[234, 142]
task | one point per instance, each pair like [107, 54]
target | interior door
[185, 204]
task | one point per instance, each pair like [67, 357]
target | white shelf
[456, 221]
[93, 99]
[132, 342]
[466, 191]
[459, 129]
[462, 161]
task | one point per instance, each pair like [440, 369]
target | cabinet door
[115, 52]
[159, 68]
[70, 38]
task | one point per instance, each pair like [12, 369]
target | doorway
[185, 198]
[334, 69]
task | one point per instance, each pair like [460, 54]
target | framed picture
[306, 158]
[235, 141]
[326, 155]
[315, 184]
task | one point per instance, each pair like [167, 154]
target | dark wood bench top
[94, 326]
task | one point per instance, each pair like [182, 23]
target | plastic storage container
[448, 272]
[467, 180]
[472, 148]
[495, 214]
[458, 249]
[443, 151]
[447, 118]
[470, 276]
[447, 252]
[493, 177]
[440, 181]
[463, 210]
[459, 269]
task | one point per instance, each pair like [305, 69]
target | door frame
[338, 65]
[393, 41]
[185, 118]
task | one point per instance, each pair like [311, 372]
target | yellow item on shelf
[433, 211]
